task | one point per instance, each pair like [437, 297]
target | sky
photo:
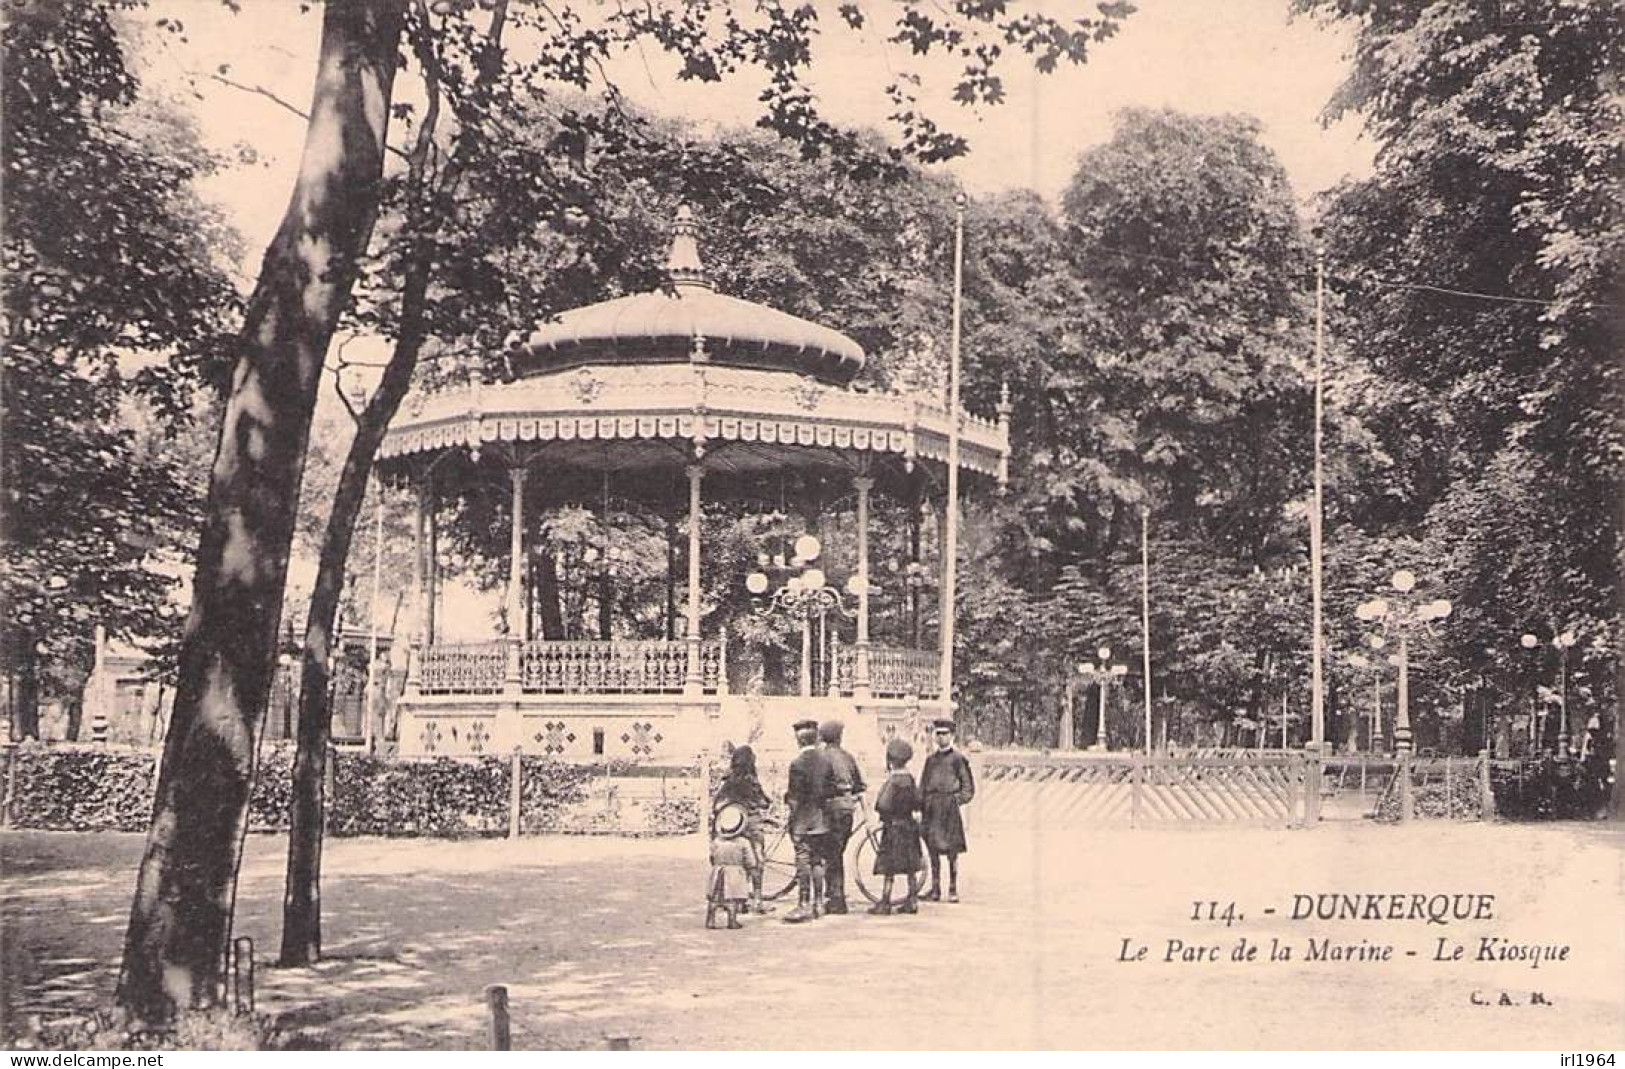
[1200, 56]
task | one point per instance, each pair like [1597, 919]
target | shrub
[97, 788]
[549, 789]
[375, 796]
[1542, 788]
[81, 788]
[271, 801]
[676, 816]
[113, 1029]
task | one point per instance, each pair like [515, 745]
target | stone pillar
[804, 689]
[431, 561]
[860, 655]
[515, 600]
[420, 597]
[1063, 740]
[694, 679]
[514, 603]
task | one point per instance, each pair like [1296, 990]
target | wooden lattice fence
[1058, 790]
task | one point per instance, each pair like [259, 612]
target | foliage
[81, 788]
[679, 816]
[1186, 235]
[1433, 796]
[1152, 340]
[1543, 789]
[85, 788]
[323, 462]
[374, 796]
[1477, 268]
[273, 789]
[548, 788]
[114, 1029]
[114, 314]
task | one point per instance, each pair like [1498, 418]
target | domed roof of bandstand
[615, 386]
[664, 326]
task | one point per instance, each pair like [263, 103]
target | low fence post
[1311, 787]
[496, 997]
[242, 979]
[1407, 796]
[516, 772]
[11, 783]
[1486, 789]
[1136, 783]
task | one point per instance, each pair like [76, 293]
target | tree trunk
[180, 920]
[301, 902]
[25, 684]
[302, 898]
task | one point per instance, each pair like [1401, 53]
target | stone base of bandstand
[671, 729]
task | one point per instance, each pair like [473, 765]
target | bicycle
[779, 864]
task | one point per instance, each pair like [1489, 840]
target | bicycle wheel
[862, 865]
[779, 866]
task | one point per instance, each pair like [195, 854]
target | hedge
[1542, 788]
[98, 788]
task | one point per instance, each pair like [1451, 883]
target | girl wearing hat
[899, 853]
[730, 860]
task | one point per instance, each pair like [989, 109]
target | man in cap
[848, 782]
[945, 785]
[812, 785]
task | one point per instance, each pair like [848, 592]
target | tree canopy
[116, 309]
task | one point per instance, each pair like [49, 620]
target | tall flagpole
[950, 537]
[1145, 616]
[1317, 695]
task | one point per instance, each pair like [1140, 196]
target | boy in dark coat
[899, 853]
[812, 785]
[945, 785]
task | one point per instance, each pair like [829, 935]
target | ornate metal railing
[464, 668]
[894, 671]
[630, 667]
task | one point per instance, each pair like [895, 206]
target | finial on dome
[684, 264]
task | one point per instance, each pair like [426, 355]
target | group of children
[739, 847]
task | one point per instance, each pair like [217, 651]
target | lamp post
[1540, 696]
[1406, 611]
[1104, 674]
[1562, 642]
[803, 596]
[950, 540]
[1363, 663]
[1537, 736]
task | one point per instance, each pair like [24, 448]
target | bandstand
[680, 398]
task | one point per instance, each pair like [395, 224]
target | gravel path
[603, 937]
